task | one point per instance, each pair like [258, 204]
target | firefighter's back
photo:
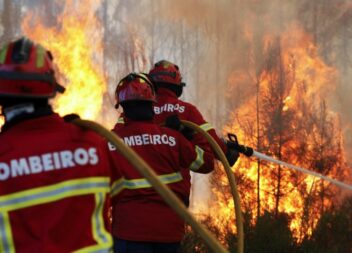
[141, 214]
[142, 221]
[54, 179]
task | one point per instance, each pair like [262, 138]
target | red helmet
[26, 70]
[134, 87]
[166, 72]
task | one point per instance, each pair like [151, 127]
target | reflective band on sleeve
[6, 241]
[140, 183]
[120, 120]
[3, 53]
[54, 192]
[199, 161]
[206, 127]
[40, 57]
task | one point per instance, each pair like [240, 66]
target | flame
[2, 121]
[77, 49]
[303, 82]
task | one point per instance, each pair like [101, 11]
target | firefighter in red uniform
[170, 109]
[54, 177]
[142, 221]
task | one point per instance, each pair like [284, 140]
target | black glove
[71, 117]
[174, 122]
[232, 143]
[231, 154]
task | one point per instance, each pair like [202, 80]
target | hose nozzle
[247, 151]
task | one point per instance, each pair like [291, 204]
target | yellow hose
[146, 171]
[216, 148]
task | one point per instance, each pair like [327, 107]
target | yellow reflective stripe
[140, 183]
[3, 53]
[40, 56]
[6, 241]
[117, 186]
[54, 192]
[206, 126]
[106, 248]
[143, 183]
[100, 235]
[199, 161]
[121, 120]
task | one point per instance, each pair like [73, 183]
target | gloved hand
[231, 154]
[71, 117]
[232, 143]
[174, 122]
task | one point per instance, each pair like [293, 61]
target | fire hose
[248, 151]
[146, 171]
[232, 181]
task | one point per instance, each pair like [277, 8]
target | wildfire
[293, 86]
[2, 121]
[77, 50]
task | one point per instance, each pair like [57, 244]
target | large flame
[2, 121]
[301, 82]
[77, 49]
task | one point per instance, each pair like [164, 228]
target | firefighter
[54, 176]
[167, 79]
[142, 221]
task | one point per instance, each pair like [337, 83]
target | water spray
[248, 151]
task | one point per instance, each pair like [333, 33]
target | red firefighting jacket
[54, 180]
[139, 213]
[168, 104]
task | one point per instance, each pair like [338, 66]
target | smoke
[232, 35]
[220, 45]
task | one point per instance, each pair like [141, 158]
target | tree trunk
[258, 148]
[281, 83]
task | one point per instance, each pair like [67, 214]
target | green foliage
[192, 243]
[270, 235]
[333, 233]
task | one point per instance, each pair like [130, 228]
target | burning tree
[280, 84]
[287, 117]
[76, 43]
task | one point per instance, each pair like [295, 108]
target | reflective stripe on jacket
[170, 104]
[54, 184]
[135, 202]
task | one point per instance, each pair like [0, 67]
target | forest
[274, 72]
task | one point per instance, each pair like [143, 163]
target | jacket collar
[164, 92]
[33, 122]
